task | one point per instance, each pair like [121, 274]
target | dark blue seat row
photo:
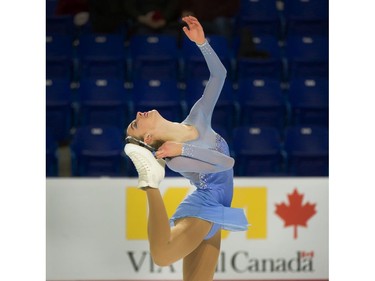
[263, 151]
[258, 151]
[52, 165]
[253, 101]
[97, 151]
[159, 57]
[284, 17]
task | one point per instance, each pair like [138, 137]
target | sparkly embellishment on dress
[187, 150]
[205, 48]
[203, 181]
[221, 145]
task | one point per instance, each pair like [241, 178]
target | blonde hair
[155, 144]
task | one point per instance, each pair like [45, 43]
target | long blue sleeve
[209, 153]
[206, 104]
[201, 160]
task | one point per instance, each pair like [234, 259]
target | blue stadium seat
[270, 66]
[226, 112]
[256, 67]
[307, 55]
[102, 56]
[51, 155]
[306, 16]
[257, 151]
[90, 28]
[262, 16]
[194, 64]
[104, 102]
[153, 57]
[58, 108]
[60, 25]
[51, 7]
[163, 95]
[306, 148]
[308, 98]
[98, 151]
[59, 56]
[262, 103]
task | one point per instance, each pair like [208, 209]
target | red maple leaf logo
[295, 214]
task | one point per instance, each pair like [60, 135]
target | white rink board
[87, 235]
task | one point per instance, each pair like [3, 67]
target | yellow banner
[252, 199]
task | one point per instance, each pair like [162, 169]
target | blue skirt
[203, 205]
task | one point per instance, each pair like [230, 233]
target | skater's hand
[194, 31]
[169, 149]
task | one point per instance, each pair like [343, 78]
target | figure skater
[193, 149]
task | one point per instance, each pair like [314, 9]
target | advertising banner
[97, 230]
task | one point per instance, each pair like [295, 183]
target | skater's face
[143, 124]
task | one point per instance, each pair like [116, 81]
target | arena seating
[280, 100]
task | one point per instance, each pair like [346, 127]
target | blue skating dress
[205, 161]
